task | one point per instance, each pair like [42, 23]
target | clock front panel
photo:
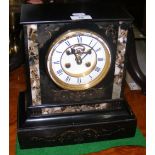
[74, 63]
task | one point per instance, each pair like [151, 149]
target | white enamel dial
[78, 59]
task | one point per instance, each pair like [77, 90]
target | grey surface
[140, 42]
[141, 57]
[131, 83]
[141, 54]
[137, 33]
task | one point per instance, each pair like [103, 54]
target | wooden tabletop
[136, 100]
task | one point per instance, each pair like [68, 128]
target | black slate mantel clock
[75, 62]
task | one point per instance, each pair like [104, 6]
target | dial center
[82, 60]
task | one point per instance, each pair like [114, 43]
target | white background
[4, 77]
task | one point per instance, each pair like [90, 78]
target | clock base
[72, 128]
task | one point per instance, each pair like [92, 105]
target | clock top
[47, 13]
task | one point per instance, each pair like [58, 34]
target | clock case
[49, 115]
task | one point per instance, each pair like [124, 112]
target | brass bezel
[65, 36]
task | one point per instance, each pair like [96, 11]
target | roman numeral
[56, 62]
[67, 43]
[79, 38]
[99, 59]
[97, 69]
[67, 78]
[60, 72]
[78, 80]
[90, 77]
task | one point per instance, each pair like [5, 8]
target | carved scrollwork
[70, 136]
[89, 133]
[78, 135]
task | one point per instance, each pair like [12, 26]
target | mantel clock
[75, 67]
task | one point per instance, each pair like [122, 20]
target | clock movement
[75, 67]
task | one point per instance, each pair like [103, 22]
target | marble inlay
[34, 64]
[110, 30]
[119, 64]
[79, 108]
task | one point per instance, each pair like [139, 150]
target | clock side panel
[32, 65]
[120, 62]
[50, 92]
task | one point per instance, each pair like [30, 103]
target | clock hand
[77, 57]
[86, 53]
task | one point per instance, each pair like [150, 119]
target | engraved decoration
[34, 64]
[119, 64]
[78, 135]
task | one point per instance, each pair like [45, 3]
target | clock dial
[78, 60]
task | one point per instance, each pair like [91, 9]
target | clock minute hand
[77, 57]
[86, 53]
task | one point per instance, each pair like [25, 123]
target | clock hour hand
[77, 56]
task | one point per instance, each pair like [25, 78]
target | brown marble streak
[135, 98]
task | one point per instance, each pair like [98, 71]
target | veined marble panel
[119, 64]
[34, 64]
